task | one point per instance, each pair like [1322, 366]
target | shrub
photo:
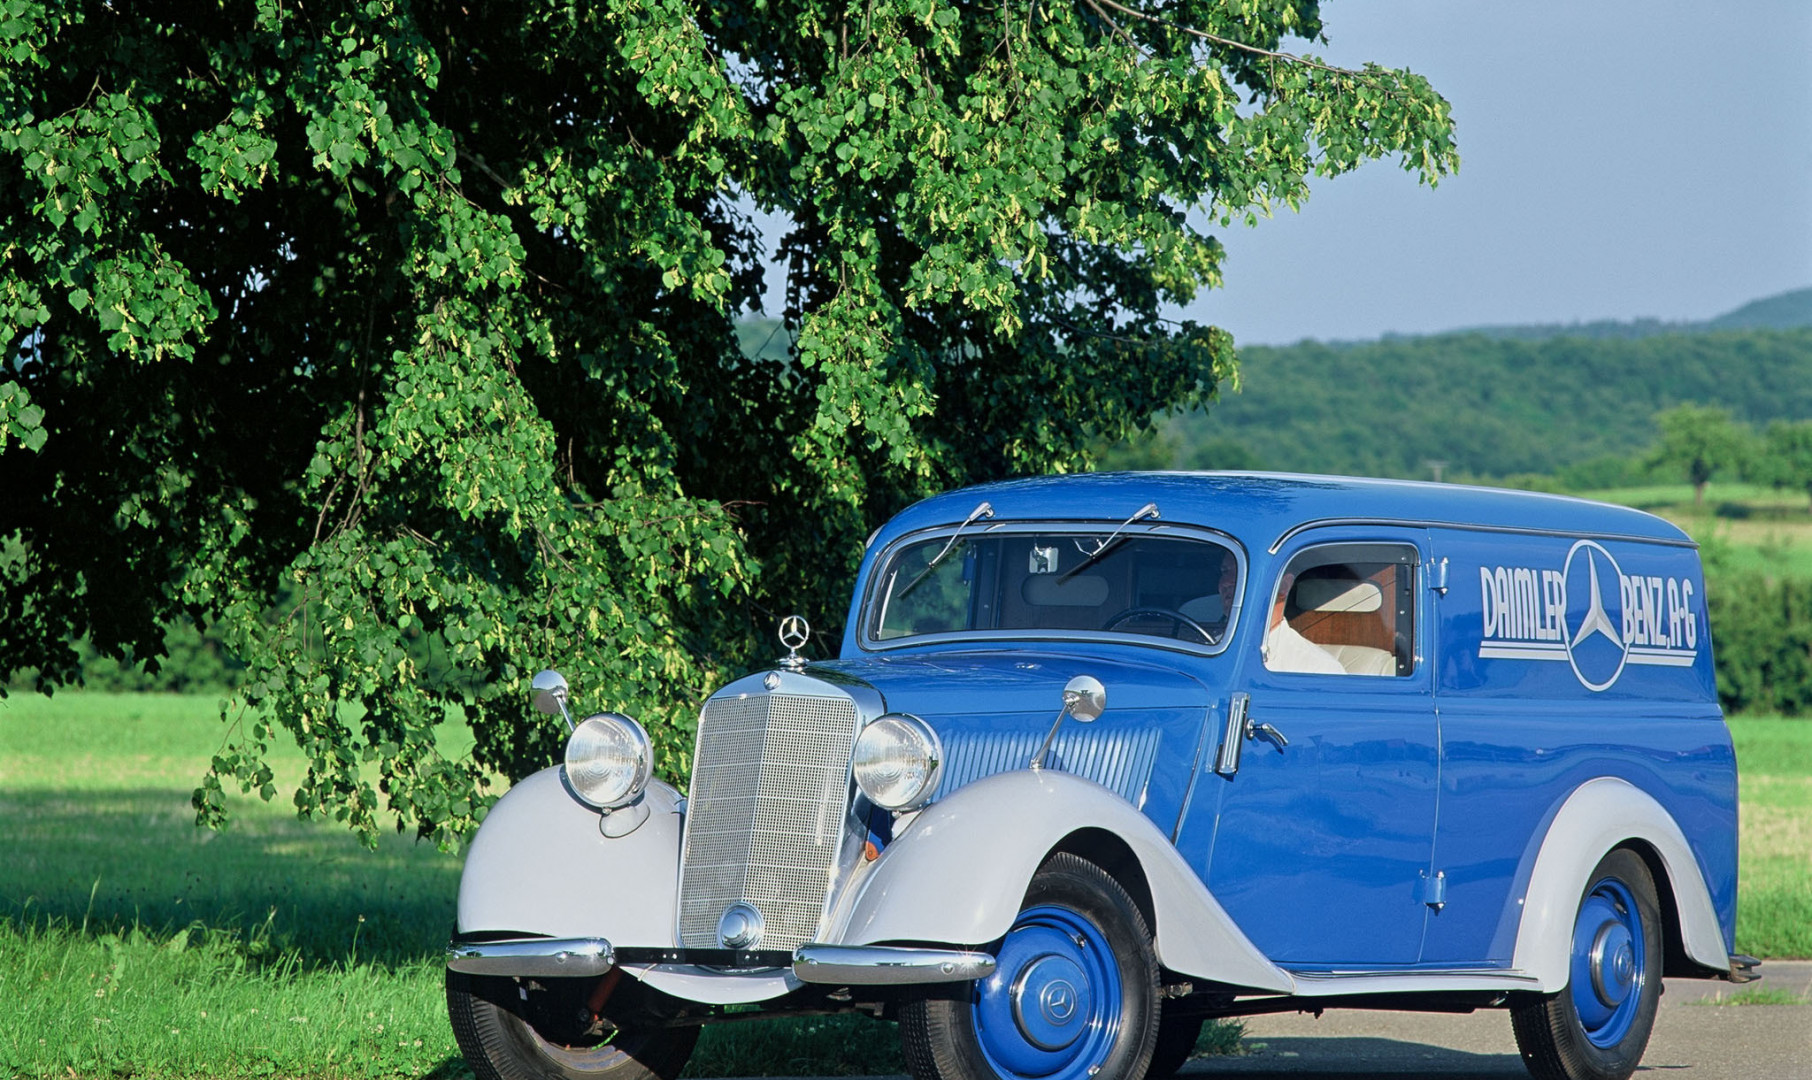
[1763, 630]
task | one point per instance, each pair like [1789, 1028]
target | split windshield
[1059, 581]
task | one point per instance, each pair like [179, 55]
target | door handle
[1266, 731]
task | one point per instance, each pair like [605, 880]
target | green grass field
[1774, 877]
[133, 944]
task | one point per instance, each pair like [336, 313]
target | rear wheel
[508, 1032]
[1073, 995]
[1597, 1028]
[1177, 1036]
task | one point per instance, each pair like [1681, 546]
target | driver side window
[1344, 609]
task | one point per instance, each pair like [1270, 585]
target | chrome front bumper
[882, 965]
[543, 957]
[840, 965]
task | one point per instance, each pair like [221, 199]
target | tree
[394, 341]
[1701, 441]
[1786, 457]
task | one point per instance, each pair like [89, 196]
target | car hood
[976, 683]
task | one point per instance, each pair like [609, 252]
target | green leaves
[19, 419]
[397, 343]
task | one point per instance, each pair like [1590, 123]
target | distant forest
[1483, 403]
[1483, 406]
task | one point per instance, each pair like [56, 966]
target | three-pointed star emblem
[1595, 621]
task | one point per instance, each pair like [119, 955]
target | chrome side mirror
[1085, 698]
[548, 693]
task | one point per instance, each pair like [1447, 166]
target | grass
[1762, 996]
[132, 944]
[1774, 877]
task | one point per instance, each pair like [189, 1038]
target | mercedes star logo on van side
[1597, 662]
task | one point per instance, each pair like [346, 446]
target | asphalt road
[1693, 1040]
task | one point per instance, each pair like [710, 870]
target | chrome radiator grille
[765, 821]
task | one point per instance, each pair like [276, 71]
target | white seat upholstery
[1363, 659]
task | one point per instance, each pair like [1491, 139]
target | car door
[1324, 832]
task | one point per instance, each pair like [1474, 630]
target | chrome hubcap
[1613, 964]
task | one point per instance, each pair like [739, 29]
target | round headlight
[607, 760]
[897, 760]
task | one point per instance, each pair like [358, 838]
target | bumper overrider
[839, 965]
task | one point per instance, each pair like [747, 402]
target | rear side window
[1345, 609]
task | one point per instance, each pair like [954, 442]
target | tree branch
[1115, 27]
[1229, 42]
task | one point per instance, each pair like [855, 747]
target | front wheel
[508, 1032]
[1074, 993]
[1597, 1028]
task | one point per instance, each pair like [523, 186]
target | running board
[1342, 983]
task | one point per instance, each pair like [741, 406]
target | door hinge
[1437, 575]
[1434, 889]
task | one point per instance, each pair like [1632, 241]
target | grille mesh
[764, 825]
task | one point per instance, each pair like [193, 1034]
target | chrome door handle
[1266, 731]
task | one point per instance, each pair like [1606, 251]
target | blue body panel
[992, 709]
[1324, 853]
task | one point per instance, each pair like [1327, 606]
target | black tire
[1177, 1036]
[1111, 976]
[504, 1037]
[1597, 1028]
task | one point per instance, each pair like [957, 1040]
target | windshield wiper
[986, 509]
[1149, 510]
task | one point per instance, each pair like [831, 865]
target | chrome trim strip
[1195, 771]
[880, 965]
[1520, 530]
[1371, 973]
[545, 957]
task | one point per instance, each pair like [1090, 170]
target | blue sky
[1620, 160]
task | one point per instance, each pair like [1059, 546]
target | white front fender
[1598, 816]
[539, 865]
[958, 872]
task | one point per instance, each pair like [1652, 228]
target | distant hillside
[1487, 406]
[1783, 312]
[1788, 311]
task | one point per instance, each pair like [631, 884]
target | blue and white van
[1102, 757]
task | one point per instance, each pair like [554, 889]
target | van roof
[1259, 507]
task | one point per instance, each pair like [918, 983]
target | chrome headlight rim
[591, 738]
[921, 736]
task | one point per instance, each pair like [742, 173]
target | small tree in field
[1787, 454]
[1701, 441]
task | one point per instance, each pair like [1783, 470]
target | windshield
[1074, 581]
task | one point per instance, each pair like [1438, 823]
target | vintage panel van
[1103, 756]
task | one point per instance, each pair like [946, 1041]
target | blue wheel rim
[1051, 1010]
[1609, 963]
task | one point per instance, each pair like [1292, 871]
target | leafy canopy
[395, 341]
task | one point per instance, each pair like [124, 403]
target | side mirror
[1085, 698]
[548, 693]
